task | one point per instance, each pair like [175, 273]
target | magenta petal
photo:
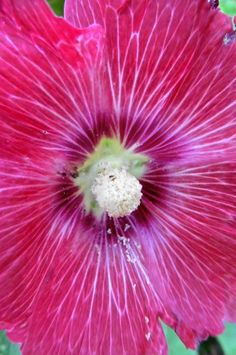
[92, 302]
[26, 197]
[46, 82]
[160, 48]
[190, 244]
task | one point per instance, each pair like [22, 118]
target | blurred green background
[57, 6]
[227, 340]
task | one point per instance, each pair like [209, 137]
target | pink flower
[153, 81]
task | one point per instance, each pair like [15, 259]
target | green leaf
[176, 347]
[228, 7]
[57, 6]
[228, 339]
[7, 348]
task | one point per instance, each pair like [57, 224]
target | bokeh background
[223, 345]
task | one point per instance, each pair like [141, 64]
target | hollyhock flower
[117, 170]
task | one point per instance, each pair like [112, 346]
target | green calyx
[109, 152]
[228, 7]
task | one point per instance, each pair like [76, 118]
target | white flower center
[116, 191]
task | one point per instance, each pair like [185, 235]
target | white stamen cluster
[116, 191]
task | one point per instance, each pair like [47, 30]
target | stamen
[116, 191]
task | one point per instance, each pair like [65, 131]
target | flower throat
[109, 179]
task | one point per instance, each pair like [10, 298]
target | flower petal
[48, 83]
[155, 49]
[93, 302]
[27, 203]
[189, 245]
